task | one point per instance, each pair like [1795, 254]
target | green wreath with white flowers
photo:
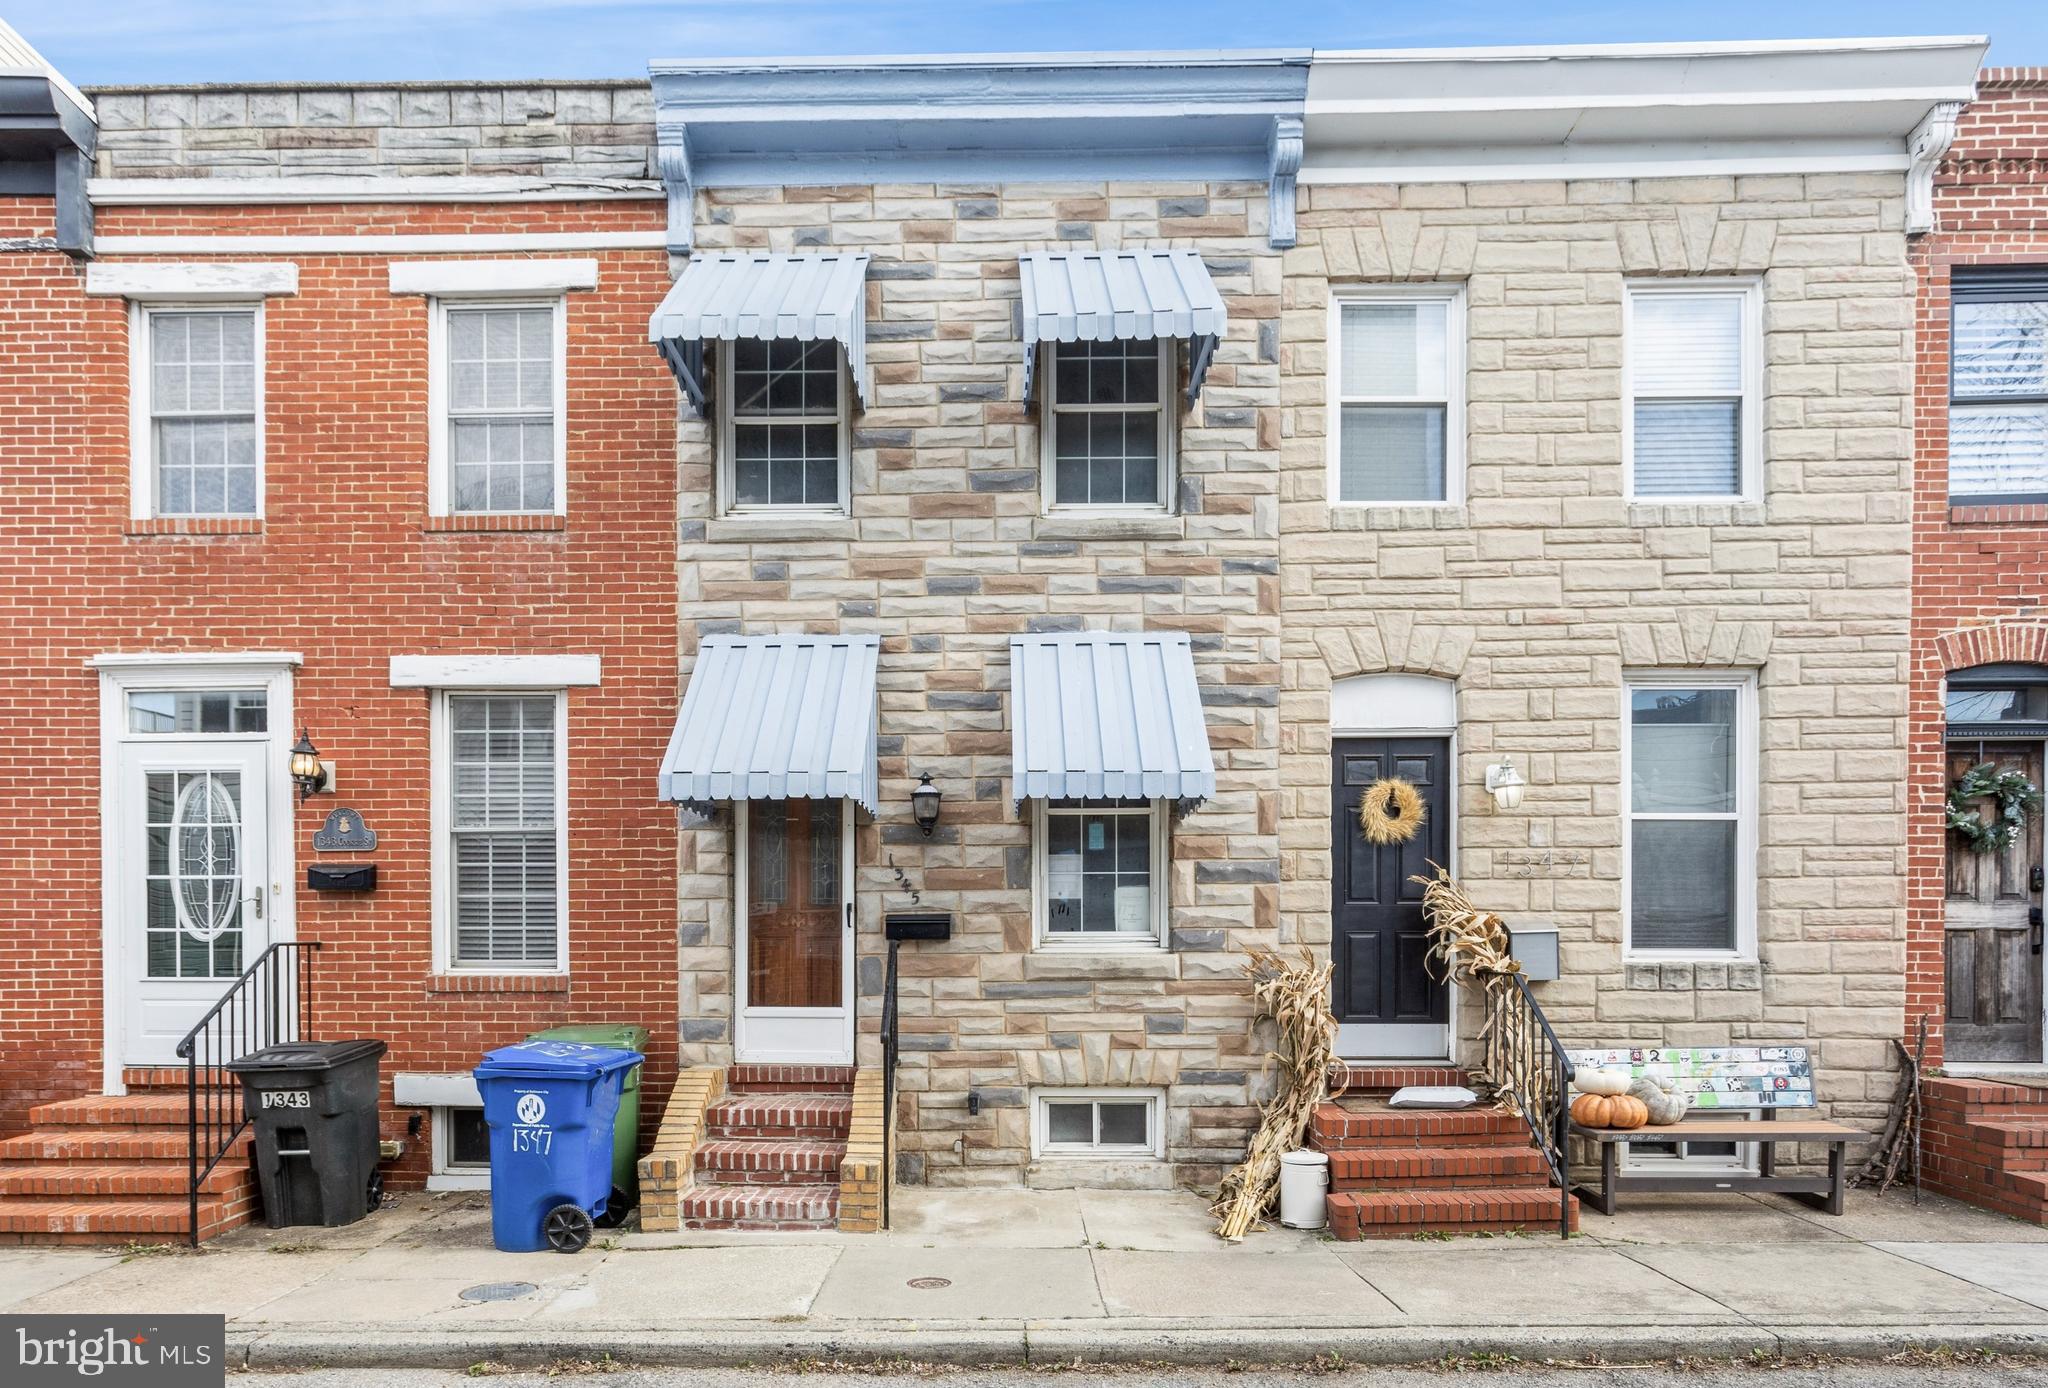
[2012, 793]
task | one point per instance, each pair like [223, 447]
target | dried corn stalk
[1297, 996]
[1471, 945]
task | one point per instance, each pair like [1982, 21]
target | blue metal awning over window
[727, 295]
[1104, 715]
[1105, 296]
[786, 717]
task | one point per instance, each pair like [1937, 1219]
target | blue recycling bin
[551, 1107]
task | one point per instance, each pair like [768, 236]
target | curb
[967, 1344]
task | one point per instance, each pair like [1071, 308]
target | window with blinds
[1691, 403]
[202, 391]
[1691, 807]
[1398, 381]
[502, 399]
[505, 833]
[1998, 388]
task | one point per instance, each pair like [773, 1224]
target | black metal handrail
[889, 1052]
[1528, 1063]
[267, 1005]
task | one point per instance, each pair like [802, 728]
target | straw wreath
[1390, 811]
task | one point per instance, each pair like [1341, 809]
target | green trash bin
[626, 1131]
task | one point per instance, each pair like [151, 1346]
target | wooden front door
[1993, 919]
[796, 933]
[1387, 1005]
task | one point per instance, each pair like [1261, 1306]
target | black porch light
[307, 771]
[924, 804]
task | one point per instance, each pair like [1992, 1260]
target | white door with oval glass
[192, 890]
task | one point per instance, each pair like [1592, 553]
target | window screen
[1685, 796]
[202, 407]
[502, 819]
[1394, 392]
[1686, 380]
[501, 409]
[1998, 396]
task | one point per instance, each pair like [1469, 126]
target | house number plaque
[344, 832]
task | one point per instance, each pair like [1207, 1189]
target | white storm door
[192, 822]
[796, 934]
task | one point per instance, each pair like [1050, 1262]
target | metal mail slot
[356, 877]
[918, 925]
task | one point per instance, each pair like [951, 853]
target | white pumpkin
[1665, 1101]
[1604, 1082]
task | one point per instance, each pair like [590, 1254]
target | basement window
[1674, 1157]
[461, 1150]
[1098, 1123]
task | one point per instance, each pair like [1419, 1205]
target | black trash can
[314, 1108]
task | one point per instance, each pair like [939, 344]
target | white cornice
[403, 243]
[287, 190]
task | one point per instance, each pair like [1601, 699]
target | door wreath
[1390, 811]
[2012, 793]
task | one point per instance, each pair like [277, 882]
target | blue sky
[109, 41]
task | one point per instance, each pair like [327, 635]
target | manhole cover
[930, 1284]
[498, 1291]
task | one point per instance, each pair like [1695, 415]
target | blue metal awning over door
[724, 296]
[1106, 296]
[786, 717]
[1105, 715]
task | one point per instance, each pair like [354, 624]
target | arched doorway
[1996, 718]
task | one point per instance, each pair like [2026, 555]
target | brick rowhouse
[347, 570]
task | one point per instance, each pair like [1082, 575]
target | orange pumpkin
[1609, 1111]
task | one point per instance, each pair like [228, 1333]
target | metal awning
[1104, 715]
[1104, 296]
[785, 717]
[724, 296]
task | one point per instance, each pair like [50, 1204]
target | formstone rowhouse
[835, 559]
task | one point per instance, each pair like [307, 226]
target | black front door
[1385, 1000]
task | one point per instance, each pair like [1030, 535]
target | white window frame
[1744, 683]
[442, 865]
[1750, 436]
[1454, 385]
[1043, 937]
[141, 374]
[728, 485]
[1047, 375]
[440, 456]
[1706, 1166]
[442, 1172]
[1043, 1147]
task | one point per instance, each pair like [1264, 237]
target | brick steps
[94, 1145]
[1395, 1214]
[108, 1220]
[818, 1117]
[789, 1079]
[1396, 1168]
[150, 1109]
[1385, 1079]
[1356, 1123]
[1985, 1142]
[768, 1162]
[119, 1178]
[771, 1151]
[761, 1207]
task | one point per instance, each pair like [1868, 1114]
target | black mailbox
[354, 877]
[918, 925]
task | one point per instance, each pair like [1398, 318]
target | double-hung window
[203, 394]
[500, 768]
[1109, 424]
[1398, 382]
[1693, 427]
[499, 430]
[1998, 388]
[784, 424]
[1691, 822]
[1101, 866]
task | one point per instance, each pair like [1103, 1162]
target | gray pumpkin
[1666, 1103]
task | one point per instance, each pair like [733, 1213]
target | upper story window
[1109, 424]
[1998, 389]
[1691, 823]
[499, 430]
[784, 422]
[1398, 374]
[1693, 422]
[200, 396]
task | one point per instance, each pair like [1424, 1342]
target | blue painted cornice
[981, 119]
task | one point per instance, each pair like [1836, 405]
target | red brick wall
[345, 572]
[1980, 576]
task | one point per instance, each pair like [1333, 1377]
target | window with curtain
[505, 833]
[1687, 797]
[1690, 403]
[784, 424]
[1998, 389]
[202, 412]
[1100, 864]
[1109, 422]
[502, 442]
[1396, 390]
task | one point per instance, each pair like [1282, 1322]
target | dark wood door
[1993, 939]
[1378, 940]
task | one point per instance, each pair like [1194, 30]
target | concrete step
[768, 1161]
[760, 1207]
[1436, 1168]
[106, 1144]
[119, 1221]
[99, 1180]
[1360, 1123]
[1367, 1214]
[789, 1079]
[1364, 1078]
[146, 1110]
[821, 1117]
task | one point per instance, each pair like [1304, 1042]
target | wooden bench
[1767, 1080]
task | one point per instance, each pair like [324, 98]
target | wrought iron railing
[1527, 1065]
[889, 1052]
[267, 1005]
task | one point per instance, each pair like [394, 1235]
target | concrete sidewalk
[1030, 1276]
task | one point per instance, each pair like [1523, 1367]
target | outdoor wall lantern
[924, 804]
[308, 771]
[1506, 784]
